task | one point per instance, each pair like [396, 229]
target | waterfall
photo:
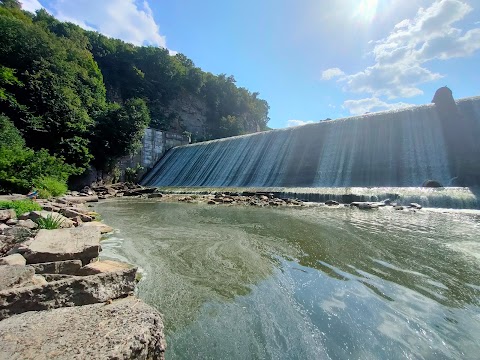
[399, 148]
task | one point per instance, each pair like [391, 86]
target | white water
[400, 148]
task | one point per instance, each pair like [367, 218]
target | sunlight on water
[315, 283]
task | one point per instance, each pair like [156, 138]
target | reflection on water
[316, 283]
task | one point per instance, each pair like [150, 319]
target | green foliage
[48, 186]
[9, 134]
[20, 206]
[131, 174]
[119, 131]
[51, 222]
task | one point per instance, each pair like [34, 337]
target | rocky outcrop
[13, 276]
[124, 329]
[81, 243]
[74, 291]
[68, 267]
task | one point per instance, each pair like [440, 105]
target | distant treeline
[86, 98]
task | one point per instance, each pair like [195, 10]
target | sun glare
[367, 9]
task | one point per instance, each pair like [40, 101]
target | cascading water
[401, 148]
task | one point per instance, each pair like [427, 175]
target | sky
[310, 59]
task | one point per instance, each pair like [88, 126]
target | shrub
[48, 186]
[50, 222]
[20, 206]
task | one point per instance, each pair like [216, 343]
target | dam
[399, 148]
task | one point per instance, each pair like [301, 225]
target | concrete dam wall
[400, 148]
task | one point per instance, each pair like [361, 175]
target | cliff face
[190, 113]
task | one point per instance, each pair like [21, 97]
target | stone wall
[154, 144]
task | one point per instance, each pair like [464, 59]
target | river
[238, 282]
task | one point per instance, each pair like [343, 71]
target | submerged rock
[124, 329]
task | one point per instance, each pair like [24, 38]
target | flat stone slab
[14, 259]
[103, 266]
[74, 291]
[12, 276]
[125, 329]
[64, 244]
[67, 267]
[97, 224]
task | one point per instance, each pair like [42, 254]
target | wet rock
[14, 259]
[415, 206]
[7, 214]
[140, 191]
[155, 195]
[331, 202]
[75, 291]
[212, 202]
[398, 207]
[12, 276]
[124, 329]
[432, 184]
[64, 244]
[68, 267]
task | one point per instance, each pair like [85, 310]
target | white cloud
[332, 73]
[31, 5]
[401, 57]
[129, 20]
[291, 123]
[362, 106]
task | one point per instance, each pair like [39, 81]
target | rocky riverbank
[57, 300]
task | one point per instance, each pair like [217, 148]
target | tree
[118, 132]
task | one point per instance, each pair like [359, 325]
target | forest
[72, 98]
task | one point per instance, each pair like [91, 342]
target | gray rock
[14, 275]
[124, 329]
[14, 259]
[80, 199]
[7, 214]
[78, 290]
[104, 229]
[72, 213]
[12, 222]
[28, 224]
[103, 266]
[64, 244]
[4, 228]
[69, 267]
[415, 206]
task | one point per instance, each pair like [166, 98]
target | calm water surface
[312, 283]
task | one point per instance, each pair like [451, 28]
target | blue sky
[310, 59]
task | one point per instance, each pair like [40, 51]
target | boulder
[103, 266]
[331, 202]
[80, 199]
[74, 291]
[124, 329]
[4, 228]
[14, 259]
[64, 244]
[432, 184]
[415, 206]
[7, 214]
[70, 212]
[12, 276]
[28, 224]
[11, 222]
[68, 267]
[97, 225]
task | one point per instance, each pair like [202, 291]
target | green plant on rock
[50, 222]
[20, 206]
